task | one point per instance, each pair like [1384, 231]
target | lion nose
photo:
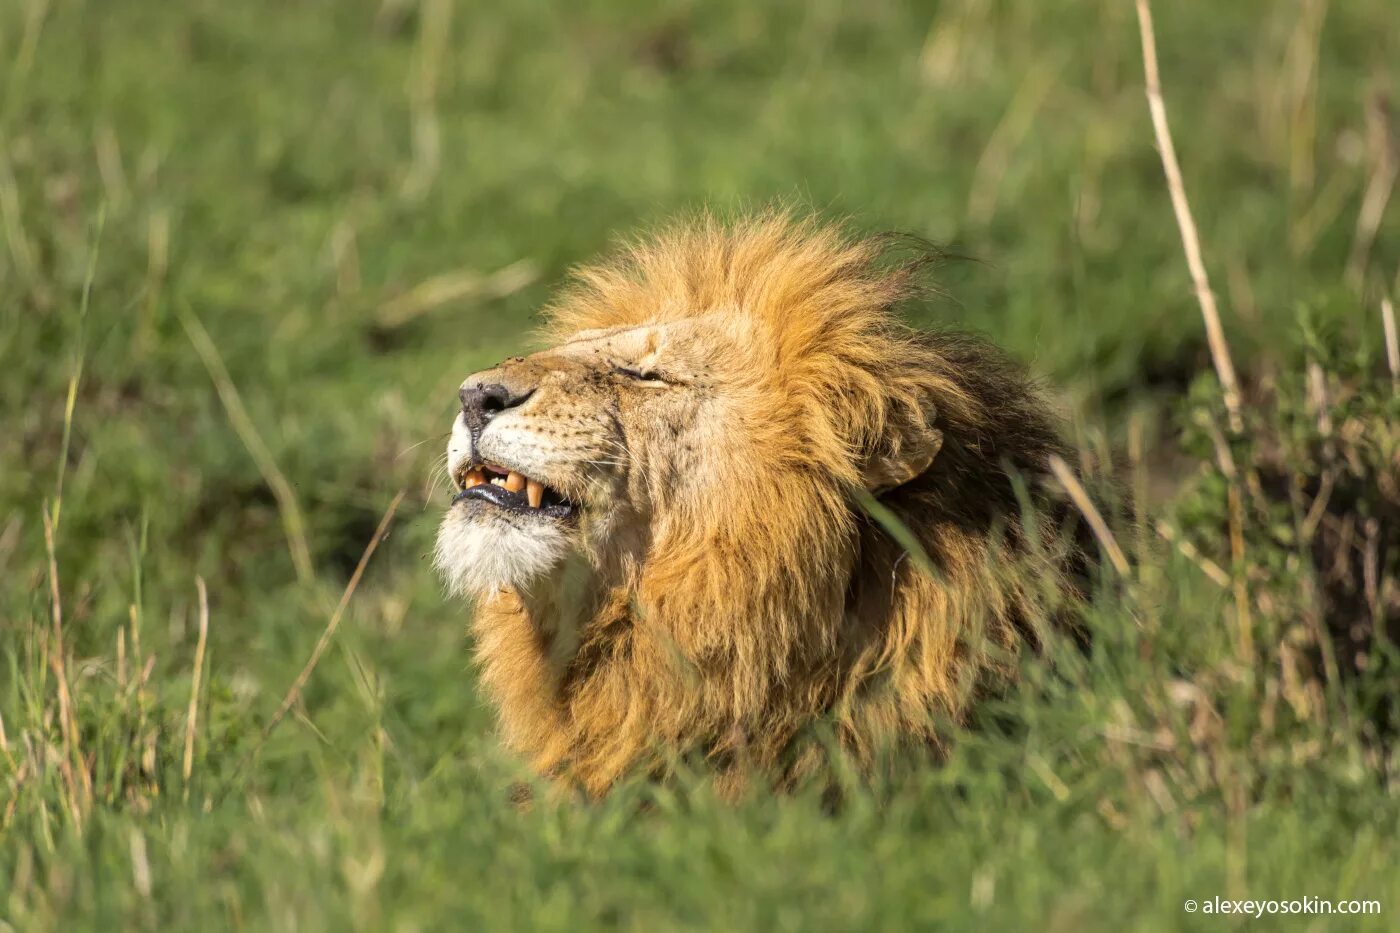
[482, 402]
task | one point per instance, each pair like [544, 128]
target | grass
[249, 250]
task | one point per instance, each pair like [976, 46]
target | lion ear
[908, 457]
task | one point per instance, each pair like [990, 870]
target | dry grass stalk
[1188, 550]
[133, 618]
[292, 522]
[23, 62]
[1317, 397]
[1392, 343]
[1298, 84]
[69, 406]
[1235, 497]
[1091, 513]
[294, 692]
[1385, 169]
[140, 863]
[442, 289]
[192, 718]
[68, 726]
[121, 659]
[1223, 458]
[1190, 240]
[1326, 207]
[955, 32]
[1318, 510]
[71, 402]
[108, 150]
[5, 746]
[16, 238]
[1370, 574]
[9, 540]
[1138, 470]
[1008, 134]
[1237, 556]
[434, 31]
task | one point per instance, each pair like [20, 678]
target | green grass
[284, 175]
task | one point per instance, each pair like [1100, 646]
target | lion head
[665, 518]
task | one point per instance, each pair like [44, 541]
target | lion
[681, 523]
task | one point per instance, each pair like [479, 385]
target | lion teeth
[511, 481]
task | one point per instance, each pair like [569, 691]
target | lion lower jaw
[477, 560]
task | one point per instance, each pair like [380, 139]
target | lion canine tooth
[535, 493]
[473, 478]
[515, 482]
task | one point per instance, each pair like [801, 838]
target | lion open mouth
[510, 490]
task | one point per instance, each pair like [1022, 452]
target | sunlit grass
[248, 251]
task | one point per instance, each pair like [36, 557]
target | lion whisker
[427, 440]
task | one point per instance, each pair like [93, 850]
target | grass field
[250, 249]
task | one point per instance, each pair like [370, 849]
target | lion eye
[645, 376]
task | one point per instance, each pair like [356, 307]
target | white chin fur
[478, 557]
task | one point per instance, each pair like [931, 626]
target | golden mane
[739, 627]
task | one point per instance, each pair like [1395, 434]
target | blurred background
[250, 250]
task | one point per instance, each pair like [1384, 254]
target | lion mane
[868, 549]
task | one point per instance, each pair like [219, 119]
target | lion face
[578, 451]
